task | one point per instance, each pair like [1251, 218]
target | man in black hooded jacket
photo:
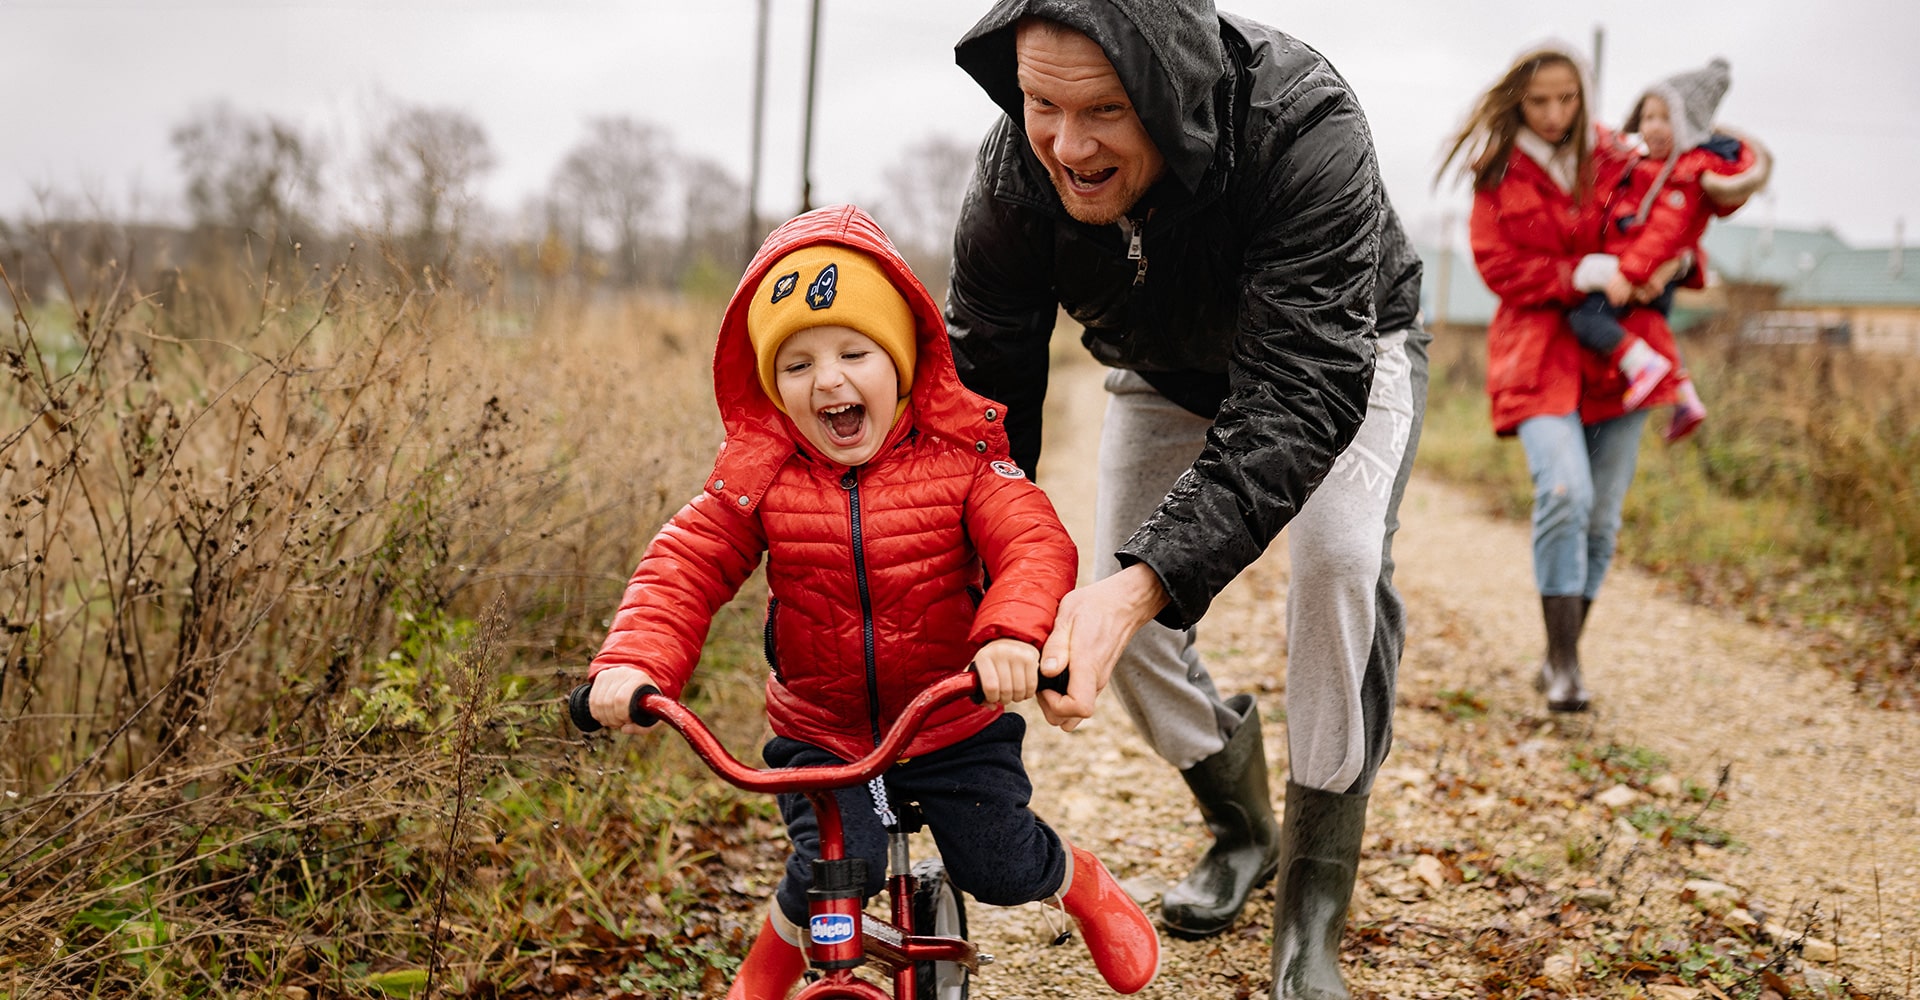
[1200, 193]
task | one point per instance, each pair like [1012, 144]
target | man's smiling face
[1081, 123]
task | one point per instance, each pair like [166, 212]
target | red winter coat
[1526, 242]
[1527, 237]
[875, 573]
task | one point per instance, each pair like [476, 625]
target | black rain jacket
[1266, 251]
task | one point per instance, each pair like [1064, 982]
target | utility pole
[806, 142]
[1599, 50]
[752, 239]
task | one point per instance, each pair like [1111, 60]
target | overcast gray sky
[91, 88]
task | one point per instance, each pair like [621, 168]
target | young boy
[882, 493]
[1657, 210]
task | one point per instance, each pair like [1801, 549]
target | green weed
[1462, 704]
[1634, 766]
[1662, 824]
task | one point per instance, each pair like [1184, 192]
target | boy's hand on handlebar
[1009, 671]
[613, 690]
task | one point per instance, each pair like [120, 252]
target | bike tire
[939, 910]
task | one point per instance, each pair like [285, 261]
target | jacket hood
[760, 437]
[1168, 55]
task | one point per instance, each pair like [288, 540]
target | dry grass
[294, 565]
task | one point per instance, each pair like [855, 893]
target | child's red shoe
[1122, 940]
[1687, 413]
[772, 968]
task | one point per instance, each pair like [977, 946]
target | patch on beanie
[820, 293]
[784, 287]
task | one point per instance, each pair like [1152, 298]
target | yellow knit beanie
[829, 285]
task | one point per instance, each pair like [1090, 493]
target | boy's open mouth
[844, 421]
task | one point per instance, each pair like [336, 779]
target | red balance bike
[924, 947]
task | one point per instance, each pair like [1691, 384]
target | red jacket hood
[760, 437]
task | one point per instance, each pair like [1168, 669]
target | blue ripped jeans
[1580, 480]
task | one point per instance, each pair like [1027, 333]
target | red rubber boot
[772, 968]
[1122, 940]
[1688, 412]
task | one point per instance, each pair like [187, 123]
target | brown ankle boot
[1560, 678]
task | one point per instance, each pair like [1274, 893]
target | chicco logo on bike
[831, 928]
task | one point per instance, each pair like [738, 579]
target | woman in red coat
[1528, 146]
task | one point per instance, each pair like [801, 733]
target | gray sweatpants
[1346, 625]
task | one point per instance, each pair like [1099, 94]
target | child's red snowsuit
[1675, 218]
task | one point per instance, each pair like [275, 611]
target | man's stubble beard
[1071, 201]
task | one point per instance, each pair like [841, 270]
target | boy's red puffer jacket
[877, 575]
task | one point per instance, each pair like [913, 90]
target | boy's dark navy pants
[973, 796]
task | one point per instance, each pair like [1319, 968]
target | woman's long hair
[1488, 135]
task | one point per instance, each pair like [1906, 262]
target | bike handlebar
[649, 706]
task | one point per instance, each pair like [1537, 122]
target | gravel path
[1498, 845]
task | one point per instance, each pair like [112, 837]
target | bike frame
[893, 945]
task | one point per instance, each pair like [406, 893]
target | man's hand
[1094, 625]
[1009, 670]
[613, 690]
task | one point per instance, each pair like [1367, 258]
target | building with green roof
[1810, 286]
[1793, 286]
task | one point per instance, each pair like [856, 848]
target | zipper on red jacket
[851, 483]
[766, 639]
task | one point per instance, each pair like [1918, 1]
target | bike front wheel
[938, 910]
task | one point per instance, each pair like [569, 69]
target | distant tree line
[623, 209]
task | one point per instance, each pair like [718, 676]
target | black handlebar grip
[640, 716]
[579, 708]
[1057, 684]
